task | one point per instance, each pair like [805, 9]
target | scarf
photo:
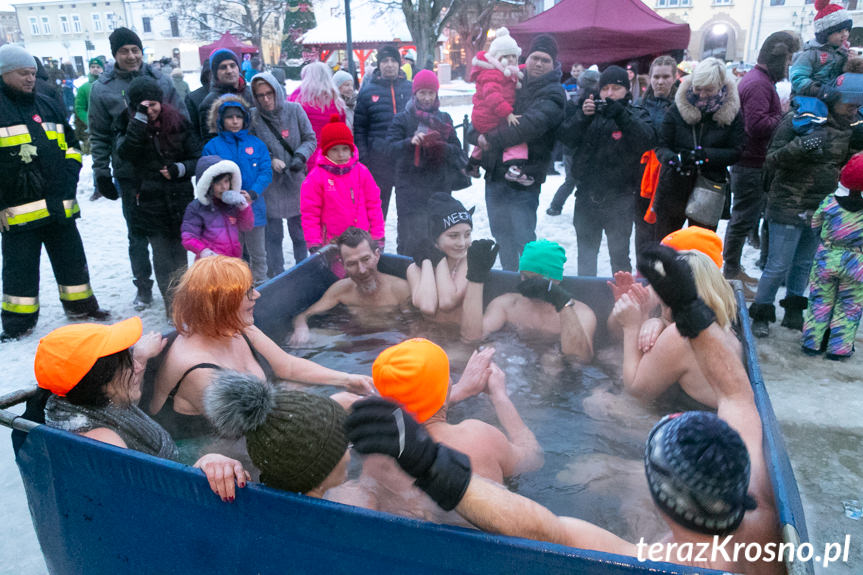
[337, 170]
[711, 104]
[134, 426]
[430, 119]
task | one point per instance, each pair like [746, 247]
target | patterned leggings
[835, 302]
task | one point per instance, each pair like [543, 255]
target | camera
[601, 105]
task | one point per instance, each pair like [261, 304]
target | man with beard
[364, 285]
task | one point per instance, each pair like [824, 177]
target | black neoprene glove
[672, 280]
[298, 163]
[105, 186]
[377, 425]
[480, 258]
[141, 113]
[697, 156]
[544, 289]
[427, 251]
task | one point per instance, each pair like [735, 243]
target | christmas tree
[299, 18]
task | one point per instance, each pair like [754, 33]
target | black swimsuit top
[183, 426]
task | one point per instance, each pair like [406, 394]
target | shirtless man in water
[541, 305]
[364, 285]
[415, 373]
[684, 452]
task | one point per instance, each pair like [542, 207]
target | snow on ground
[817, 402]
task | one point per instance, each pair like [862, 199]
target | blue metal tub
[100, 510]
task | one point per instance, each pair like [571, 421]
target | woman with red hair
[213, 312]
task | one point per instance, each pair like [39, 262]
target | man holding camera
[610, 135]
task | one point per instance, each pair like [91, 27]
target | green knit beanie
[295, 438]
[544, 258]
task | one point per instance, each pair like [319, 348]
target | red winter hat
[829, 19]
[425, 80]
[336, 133]
[852, 174]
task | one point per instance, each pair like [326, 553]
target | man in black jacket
[40, 165]
[195, 97]
[379, 100]
[539, 107]
[610, 135]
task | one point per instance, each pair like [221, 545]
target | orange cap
[65, 355]
[696, 238]
[414, 373]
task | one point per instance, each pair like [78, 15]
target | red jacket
[495, 92]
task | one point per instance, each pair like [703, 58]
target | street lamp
[802, 19]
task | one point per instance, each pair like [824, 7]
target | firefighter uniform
[39, 163]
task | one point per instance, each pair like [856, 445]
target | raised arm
[524, 452]
[481, 256]
[450, 293]
[328, 301]
[421, 279]
[577, 327]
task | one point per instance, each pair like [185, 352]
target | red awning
[226, 41]
[602, 31]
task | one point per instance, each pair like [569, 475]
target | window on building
[76, 24]
[34, 26]
[147, 25]
[850, 4]
[203, 23]
[673, 3]
[175, 27]
[46, 25]
[97, 23]
[777, 2]
[109, 20]
[722, 2]
[64, 24]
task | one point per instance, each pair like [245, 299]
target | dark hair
[220, 177]
[90, 391]
[353, 237]
[206, 73]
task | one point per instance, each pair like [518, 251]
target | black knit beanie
[444, 212]
[697, 470]
[123, 37]
[544, 43]
[143, 88]
[295, 438]
[614, 75]
[388, 51]
[219, 56]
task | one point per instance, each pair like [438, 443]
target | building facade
[797, 16]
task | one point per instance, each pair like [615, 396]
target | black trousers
[21, 253]
[139, 253]
[385, 178]
[614, 216]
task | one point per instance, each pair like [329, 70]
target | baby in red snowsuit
[497, 76]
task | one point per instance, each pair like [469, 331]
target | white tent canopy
[371, 23]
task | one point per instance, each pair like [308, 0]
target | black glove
[298, 163]
[105, 186]
[141, 113]
[697, 156]
[480, 258]
[538, 287]
[672, 280]
[613, 108]
[174, 170]
[427, 251]
[812, 143]
[377, 425]
[253, 195]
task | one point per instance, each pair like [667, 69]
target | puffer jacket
[108, 103]
[815, 66]
[318, 117]
[656, 107]
[540, 103]
[283, 194]
[246, 150]
[800, 180]
[495, 91]
[608, 159]
[159, 202]
[378, 102]
[721, 135]
[419, 174]
[330, 203]
[40, 162]
[210, 223]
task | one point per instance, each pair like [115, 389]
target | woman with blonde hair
[649, 371]
[702, 132]
[319, 98]
[213, 312]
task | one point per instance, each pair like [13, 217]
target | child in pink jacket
[219, 212]
[339, 192]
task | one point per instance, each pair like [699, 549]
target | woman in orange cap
[213, 311]
[91, 377]
[655, 358]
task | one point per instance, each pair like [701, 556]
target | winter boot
[762, 314]
[794, 306]
[143, 299]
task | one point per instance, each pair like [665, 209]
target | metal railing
[14, 420]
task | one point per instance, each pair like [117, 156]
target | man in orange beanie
[415, 374]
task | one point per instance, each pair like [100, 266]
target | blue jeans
[789, 257]
[512, 218]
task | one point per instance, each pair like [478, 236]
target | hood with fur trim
[205, 181]
[484, 61]
[692, 115]
[214, 119]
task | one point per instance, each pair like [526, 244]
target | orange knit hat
[695, 238]
[414, 373]
[65, 355]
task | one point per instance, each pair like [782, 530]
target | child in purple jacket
[219, 212]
